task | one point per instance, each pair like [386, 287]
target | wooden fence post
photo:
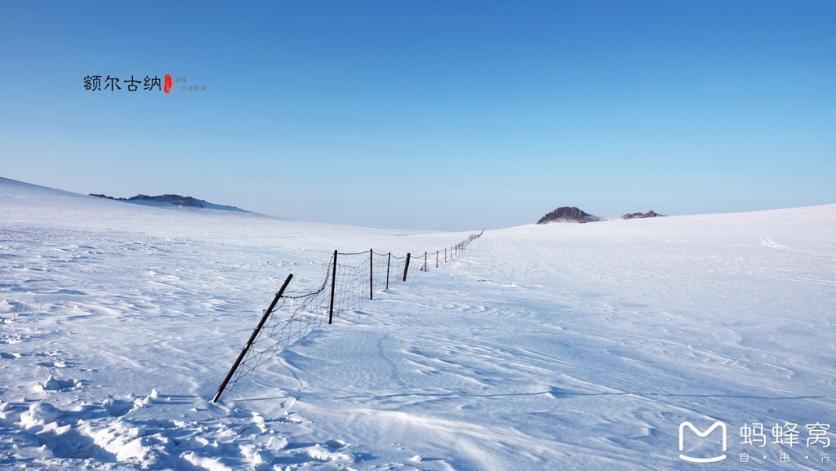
[253, 336]
[388, 263]
[425, 260]
[371, 274]
[406, 266]
[333, 286]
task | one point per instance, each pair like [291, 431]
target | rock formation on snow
[171, 200]
[640, 215]
[568, 214]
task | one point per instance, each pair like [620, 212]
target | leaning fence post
[406, 265]
[333, 285]
[388, 263]
[371, 274]
[252, 338]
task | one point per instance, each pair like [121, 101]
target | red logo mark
[167, 84]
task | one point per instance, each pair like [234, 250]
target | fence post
[252, 338]
[388, 263]
[445, 254]
[425, 260]
[333, 286]
[406, 266]
[371, 274]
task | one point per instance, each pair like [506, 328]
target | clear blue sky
[431, 114]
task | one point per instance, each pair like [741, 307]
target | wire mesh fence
[350, 278]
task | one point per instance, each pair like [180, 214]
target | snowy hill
[560, 346]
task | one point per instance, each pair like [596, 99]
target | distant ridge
[640, 215]
[172, 200]
[568, 214]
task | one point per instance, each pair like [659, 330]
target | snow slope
[542, 347]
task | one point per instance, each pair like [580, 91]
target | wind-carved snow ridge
[350, 278]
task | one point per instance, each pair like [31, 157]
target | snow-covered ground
[541, 347]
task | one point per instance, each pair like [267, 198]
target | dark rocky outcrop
[649, 214]
[568, 214]
[171, 200]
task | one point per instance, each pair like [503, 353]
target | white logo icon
[702, 434]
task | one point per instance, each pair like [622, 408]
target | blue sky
[429, 114]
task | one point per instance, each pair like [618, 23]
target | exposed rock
[568, 214]
[649, 214]
[171, 200]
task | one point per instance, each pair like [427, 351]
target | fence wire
[358, 277]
